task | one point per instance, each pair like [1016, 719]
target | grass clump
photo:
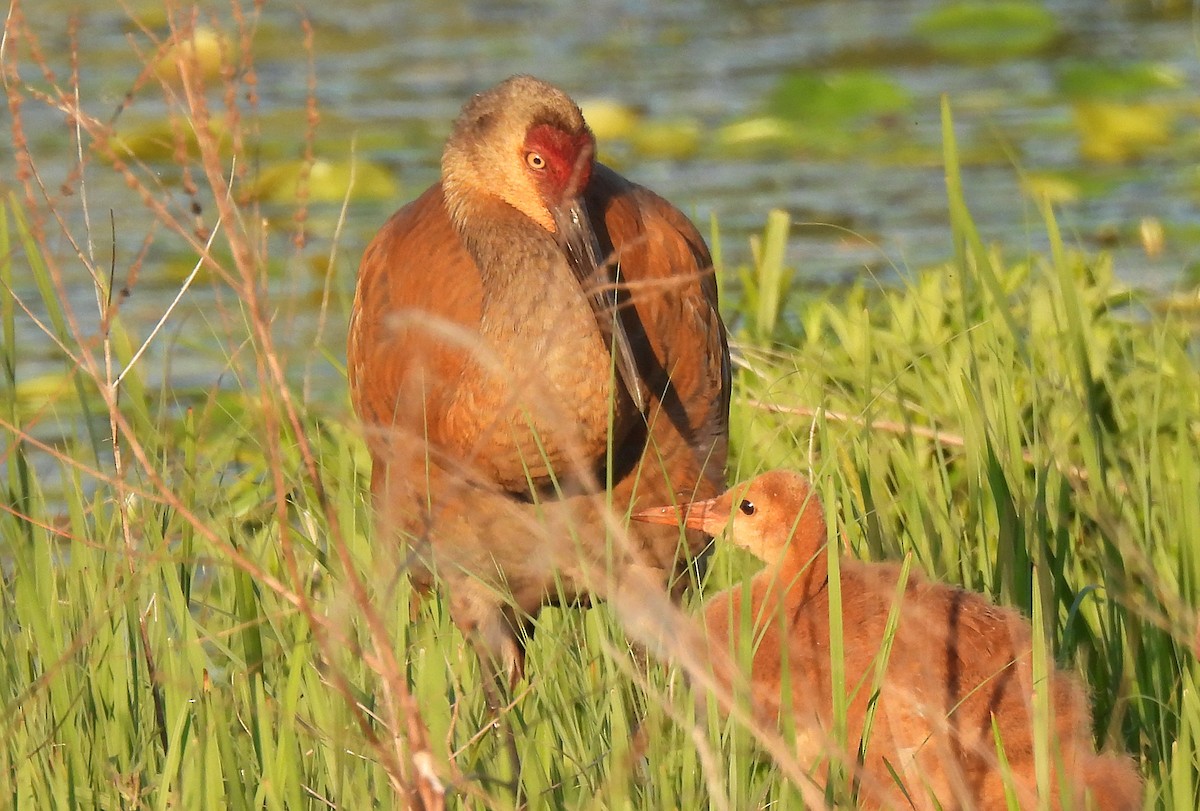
[1029, 429]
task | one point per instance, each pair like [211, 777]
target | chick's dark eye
[747, 507]
[535, 160]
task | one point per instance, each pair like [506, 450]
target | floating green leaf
[51, 389]
[161, 140]
[1053, 188]
[202, 55]
[1090, 80]
[986, 32]
[609, 119]
[1114, 133]
[327, 181]
[816, 98]
[758, 135]
[674, 139]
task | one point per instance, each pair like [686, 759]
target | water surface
[391, 76]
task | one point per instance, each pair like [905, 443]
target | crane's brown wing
[417, 287]
[669, 299]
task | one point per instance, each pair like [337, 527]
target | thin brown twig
[246, 281]
[892, 427]
[421, 792]
[270, 369]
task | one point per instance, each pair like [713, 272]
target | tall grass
[1027, 427]
[193, 614]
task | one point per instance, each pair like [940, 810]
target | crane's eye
[535, 160]
[747, 507]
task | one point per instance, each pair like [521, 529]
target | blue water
[409, 66]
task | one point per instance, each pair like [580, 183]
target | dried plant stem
[421, 792]
[892, 427]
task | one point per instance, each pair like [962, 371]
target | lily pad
[156, 140]
[813, 98]
[758, 135]
[204, 54]
[1100, 80]
[1053, 188]
[1114, 133]
[609, 119]
[56, 389]
[327, 182]
[987, 32]
[671, 139]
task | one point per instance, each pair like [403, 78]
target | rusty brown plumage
[500, 396]
[959, 671]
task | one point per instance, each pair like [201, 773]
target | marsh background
[829, 110]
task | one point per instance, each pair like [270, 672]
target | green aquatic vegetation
[610, 119]
[621, 128]
[205, 53]
[1123, 81]
[1110, 132]
[323, 181]
[1124, 111]
[988, 32]
[1121, 112]
[822, 113]
[162, 140]
[672, 139]
[757, 135]
[819, 99]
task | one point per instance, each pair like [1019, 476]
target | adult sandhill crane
[535, 349]
[957, 677]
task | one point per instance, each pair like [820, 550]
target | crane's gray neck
[527, 283]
